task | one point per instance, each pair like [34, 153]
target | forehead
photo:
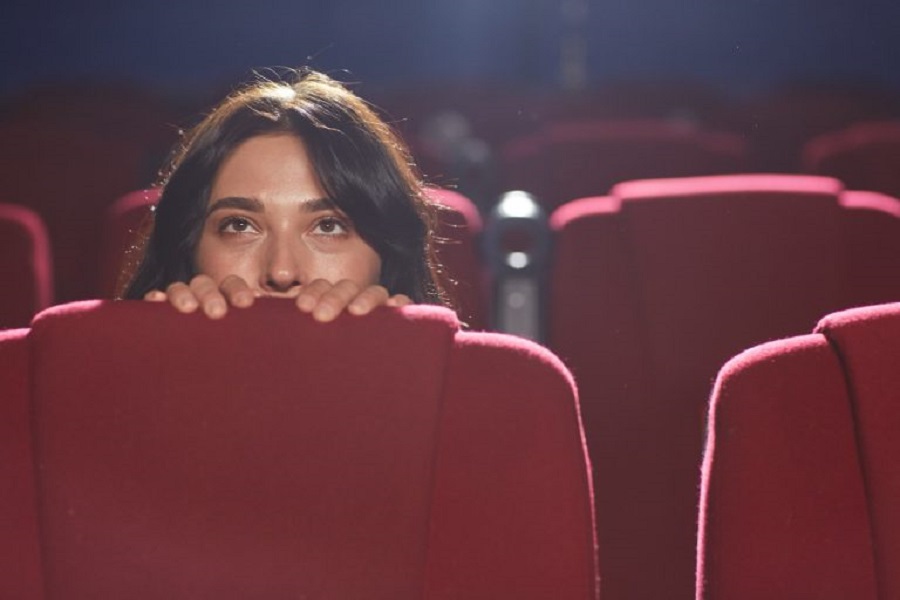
[267, 164]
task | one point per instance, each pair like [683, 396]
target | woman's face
[268, 222]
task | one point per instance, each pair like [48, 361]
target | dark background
[93, 94]
[190, 46]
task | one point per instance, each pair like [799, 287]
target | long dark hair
[362, 166]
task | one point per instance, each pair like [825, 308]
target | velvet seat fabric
[800, 480]
[20, 572]
[267, 455]
[26, 266]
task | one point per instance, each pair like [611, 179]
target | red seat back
[270, 455]
[864, 156]
[465, 279]
[872, 243]
[867, 340]
[25, 266]
[800, 481]
[124, 221]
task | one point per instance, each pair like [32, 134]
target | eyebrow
[255, 206]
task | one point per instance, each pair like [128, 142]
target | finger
[155, 296]
[369, 298]
[399, 300]
[236, 291]
[181, 297]
[208, 295]
[335, 300]
[310, 293]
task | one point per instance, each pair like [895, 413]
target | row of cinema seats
[775, 123]
[75, 154]
[558, 162]
[651, 289]
[569, 159]
[484, 140]
[655, 286]
[72, 152]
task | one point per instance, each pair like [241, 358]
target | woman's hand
[323, 299]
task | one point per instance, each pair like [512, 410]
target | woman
[293, 190]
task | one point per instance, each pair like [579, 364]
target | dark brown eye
[331, 226]
[235, 225]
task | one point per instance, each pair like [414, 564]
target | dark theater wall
[745, 44]
[190, 44]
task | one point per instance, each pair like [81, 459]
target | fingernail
[215, 309]
[306, 303]
[243, 299]
[357, 308]
[188, 304]
[324, 313]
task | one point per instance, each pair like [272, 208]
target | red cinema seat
[865, 156]
[124, 222]
[652, 290]
[458, 230]
[872, 243]
[800, 480]
[25, 266]
[270, 456]
[78, 146]
[20, 567]
[778, 122]
[69, 176]
[574, 159]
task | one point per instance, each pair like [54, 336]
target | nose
[283, 260]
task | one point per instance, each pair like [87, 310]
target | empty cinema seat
[864, 156]
[270, 456]
[573, 159]
[458, 230]
[653, 289]
[465, 278]
[871, 241]
[800, 481]
[778, 121]
[25, 266]
[125, 220]
[69, 176]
